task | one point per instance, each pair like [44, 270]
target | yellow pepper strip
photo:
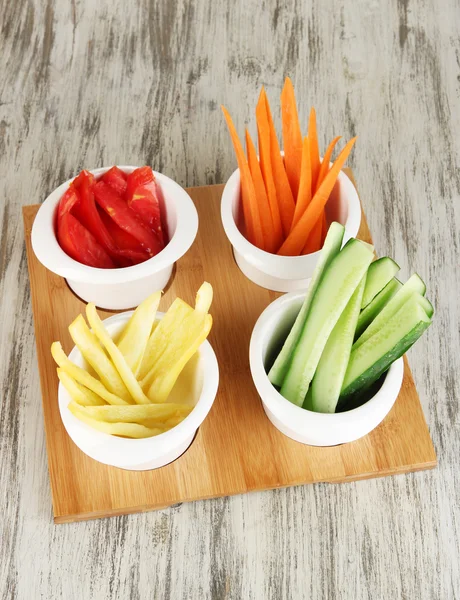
[178, 353]
[78, 392]
[137, 413]
[117, 357]
[88, 344]
[83, 376]
[204, 298]
[129, 430]
[133, 340]
[159, 340]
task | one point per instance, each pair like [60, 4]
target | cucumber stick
[379, 274]
[413, 284]
[369, 313]
[373, 357]
[331, 248]
[338, 284]
[329, 375]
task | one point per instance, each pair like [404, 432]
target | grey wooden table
[87, 84]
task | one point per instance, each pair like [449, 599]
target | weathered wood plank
[89, 84]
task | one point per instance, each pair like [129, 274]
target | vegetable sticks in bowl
[284, 197]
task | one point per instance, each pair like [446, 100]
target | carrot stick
[314, 239]
[261, 195]
[266, 167]
[283, 189]
[304, 194]
[292, 136]
[326, 161]
[314, 149]
[324, 228]
[248, 194]
[297, 238]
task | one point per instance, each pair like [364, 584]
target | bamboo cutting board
[237, 449]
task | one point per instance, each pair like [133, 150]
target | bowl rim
[48, 251]
[274, 262]
[286, 411]
[174, 436]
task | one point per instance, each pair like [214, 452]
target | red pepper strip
[78, 243]
[67, 202]
[116, 179]
[129, 248]
[138, 177]
[125, 218]
[144, 202]
[86, 212]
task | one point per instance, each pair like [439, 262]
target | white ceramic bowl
[117, 289]
[284, 273]
[315, 429]
[196, 386]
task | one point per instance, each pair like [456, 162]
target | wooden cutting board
[237, 449]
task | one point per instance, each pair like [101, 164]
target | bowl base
[121, 296]
[269, 282]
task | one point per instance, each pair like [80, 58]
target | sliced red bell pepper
[144, 202]
[142, 198]
[125, 218]
[80, 245]
[67, 202]
[87, 213]
[139, 176]
[129, 248]
[116, 179]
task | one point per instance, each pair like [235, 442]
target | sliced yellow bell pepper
[130, 430]
[133, 340]
[121, 367]
[89, 346]
[79, 393]
[179, 351]
[139, 414]
[83, 376]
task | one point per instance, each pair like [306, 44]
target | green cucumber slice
[369, 313]
[379, 274]
[330, 373]
[426, 305]
[335, 290]
[331, 248]
[413, 284]
[373, 357]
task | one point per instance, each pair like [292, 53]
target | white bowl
[117, 289]
[196, 386]
[315, 429]
[284, 273]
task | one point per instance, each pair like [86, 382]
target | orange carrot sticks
[314, 239]
[266, 167]
[271, 245]
[248, 194]
[325, 162]
[283, 189]
[296, 240]
[292, 136]
[304, 195]
[314, 149]
[324, 228]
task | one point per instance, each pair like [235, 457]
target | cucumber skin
[374, 283]
[331, 248]
[366, 379]
[369, 313]
[414, 284]
[306, 355]
[328, 379]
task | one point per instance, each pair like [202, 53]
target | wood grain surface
[237, 450]
[88, 84]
